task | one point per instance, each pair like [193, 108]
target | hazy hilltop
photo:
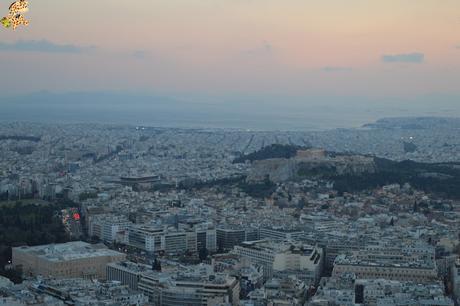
[417, 123]
[352, 172]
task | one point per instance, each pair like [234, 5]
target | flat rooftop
[278, 247]
[379, 262]
[130, 266]
[68, 251]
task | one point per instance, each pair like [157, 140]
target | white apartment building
[283, 257]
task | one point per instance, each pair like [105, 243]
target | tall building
[111, 226]
[146, 238]
[95, 229]
[126, 272]
[162, 239]
[206, 239]
[66, 260]
[192, 286]
[227, 238]
[283, 258]
[280, 234]
[406, 263]
[106, 226]
[176, 243]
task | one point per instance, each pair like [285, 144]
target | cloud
[457, 46]
[336, 69]
[264, 48]
[415, 58]
[139, 54]
[41, 46]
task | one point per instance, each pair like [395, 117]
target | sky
[367, 48]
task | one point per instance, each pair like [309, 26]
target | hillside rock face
[310, 164]
[276, 169]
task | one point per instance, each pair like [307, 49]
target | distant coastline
[165, 112]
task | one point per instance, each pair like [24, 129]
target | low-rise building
[192, 286]
[347, 290]
[66, 260]
[126, 272]
[284, 257]
[83, 292]
[392, 263]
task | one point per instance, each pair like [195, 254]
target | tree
[13, 275]
[203, 254]
[29, 224]
[302, 203]
[94, 239]
[156, 266]
[415, 208]
[457, 249]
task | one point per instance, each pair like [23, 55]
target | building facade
[283, 257]
[67, 260]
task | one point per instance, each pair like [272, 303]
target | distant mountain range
[270, 112]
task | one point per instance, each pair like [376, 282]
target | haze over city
[371, 58]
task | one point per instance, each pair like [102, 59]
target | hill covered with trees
[28, 224]
[439, 178]
[442, 179]
[271, 151]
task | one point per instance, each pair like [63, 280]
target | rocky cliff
[312, 164]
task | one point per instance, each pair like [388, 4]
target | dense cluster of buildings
[64, 160]
[153, 239]
[70, 291]
[350, 290]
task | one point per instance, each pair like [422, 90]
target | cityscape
[230, 153]
[137, 215]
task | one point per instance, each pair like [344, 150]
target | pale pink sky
[237, 46]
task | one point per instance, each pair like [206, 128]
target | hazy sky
[377, 48]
